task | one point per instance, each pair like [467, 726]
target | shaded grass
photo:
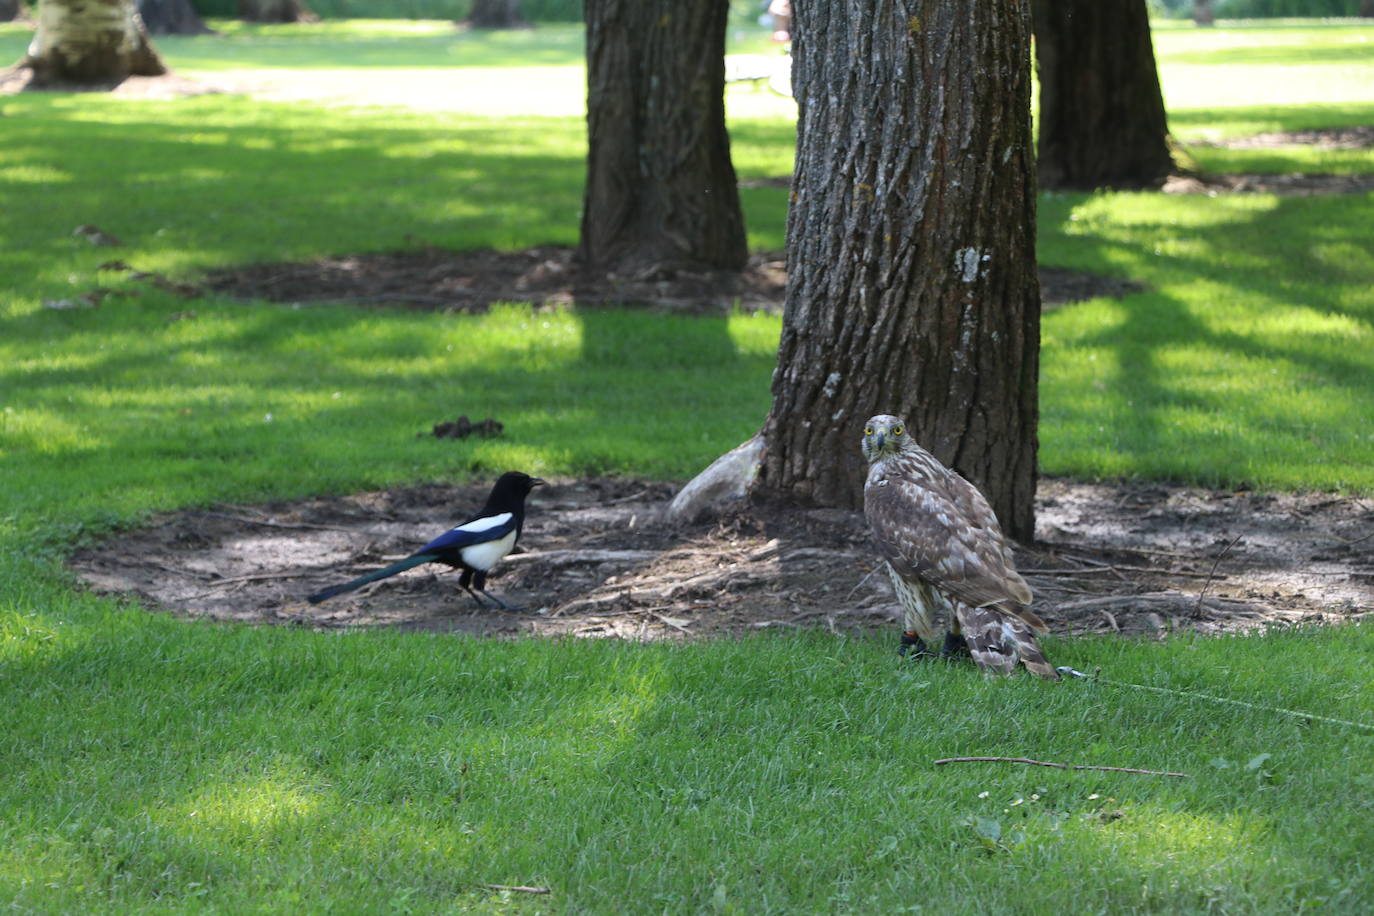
[238, 401]
[186, 762]
[1248, 361]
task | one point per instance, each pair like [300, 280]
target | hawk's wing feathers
[934, 524]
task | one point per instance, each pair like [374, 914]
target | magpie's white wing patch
[500, 527]
[486, 523]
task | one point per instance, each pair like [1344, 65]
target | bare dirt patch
[1295, 184]
[1131, 559]
[433, 278]
[1320, 138]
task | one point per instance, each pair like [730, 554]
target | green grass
[156, 765]
[180, 766]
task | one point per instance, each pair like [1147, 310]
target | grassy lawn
[158, 765]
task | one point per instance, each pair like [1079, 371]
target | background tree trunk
[90, 43]
[275, 11]
[11, 10]
[661, 194]
[496, 14]
[1203, 14]
[1102, 120]
[912, 286]
[172, 17]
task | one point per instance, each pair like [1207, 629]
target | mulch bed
[434, 278]
[1110, 558]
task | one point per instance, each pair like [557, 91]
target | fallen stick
[1197, 611]
[518, 888]
[1062, 766]
[669, 621]
[569, 557]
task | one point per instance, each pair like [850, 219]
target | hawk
[946, 556]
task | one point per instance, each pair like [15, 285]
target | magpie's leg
[475, 583]
[499, 603]
[465, 583]
[955, 646]
[910, 639]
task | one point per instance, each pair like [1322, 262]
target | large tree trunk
[496, 14]
[11, 10]
[275, 11]
[172, 17]
[1102, 118]
[661, 194]
[90, 43]
[912, 286]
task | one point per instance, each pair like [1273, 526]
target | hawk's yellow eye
[868, 430]
[896, 430]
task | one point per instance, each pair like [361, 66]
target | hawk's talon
[955, 647]
[908, 641]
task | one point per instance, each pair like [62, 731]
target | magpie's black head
[515, 485]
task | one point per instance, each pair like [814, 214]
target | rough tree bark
[90, 43]
[661, 194]
[172, 17]
[912, 286]
[496, 14]
[1102, 120]
[275, 11]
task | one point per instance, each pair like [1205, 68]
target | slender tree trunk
[1203, 14]
[496, 14]
[1102, 120]
[912, 286]
[661, 194]
[275, 11]
[90, 43]
[172, 17]
[11, 10]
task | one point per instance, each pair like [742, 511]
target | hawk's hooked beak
[879, 439]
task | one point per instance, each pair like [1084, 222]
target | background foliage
[1263, 9]
[533, 10]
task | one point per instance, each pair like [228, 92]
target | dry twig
[1062, 766]
[518, 888]
[1208, 584]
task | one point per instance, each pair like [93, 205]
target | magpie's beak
[537, 481]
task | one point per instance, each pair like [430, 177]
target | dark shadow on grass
[1156, 323]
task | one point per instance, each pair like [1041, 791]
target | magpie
[474, 546]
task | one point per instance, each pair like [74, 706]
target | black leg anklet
[955, 645]
[911, 639]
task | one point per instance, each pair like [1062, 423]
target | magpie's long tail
[383, 573]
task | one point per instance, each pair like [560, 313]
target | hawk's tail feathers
[1034, 658]
[998, 641]
[1029, 617]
